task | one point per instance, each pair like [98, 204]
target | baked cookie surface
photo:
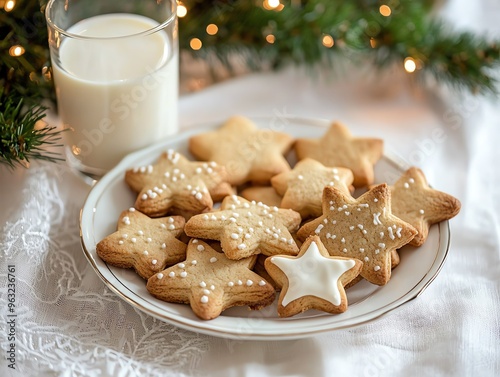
[176, 182]
[144, 244]
[415, 202]
[211, 283]
[302, 187]
[264, 194]
[362, 228]
[250, 154]
[246, 228]
[337, 147]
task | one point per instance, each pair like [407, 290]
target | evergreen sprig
[359, 30]
[24, 83]
[21, 140]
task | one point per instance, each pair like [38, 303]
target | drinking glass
[115, 67]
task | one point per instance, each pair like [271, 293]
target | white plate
[111, 195]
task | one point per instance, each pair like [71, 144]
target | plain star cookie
[264, 194]
[144, 244]
[302, 187]
[362, 228]
[249, 153]
[312, 280]
[246, 228]
[211, 283]
[339, 148]
[419, 205]
[174, 182]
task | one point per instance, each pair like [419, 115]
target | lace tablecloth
[68, 323]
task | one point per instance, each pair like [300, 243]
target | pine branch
[20, 138]
[358, 29]
[24, 83]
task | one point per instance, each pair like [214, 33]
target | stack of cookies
[240, 224]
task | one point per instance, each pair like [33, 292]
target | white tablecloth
[69, 324]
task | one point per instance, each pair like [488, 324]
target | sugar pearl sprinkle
[407, 184]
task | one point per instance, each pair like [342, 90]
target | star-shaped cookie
[419, 205]
[144, 244]
[338, 147]
[302, 187]
[312, 280]
[362, 228]
[249, 153]
[264, 194]
[176, 182]
[211, 283]
[246, 228]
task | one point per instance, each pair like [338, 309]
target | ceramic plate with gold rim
[367, 302]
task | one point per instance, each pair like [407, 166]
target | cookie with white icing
[302, 187]
[419, 205]
[174, 182]
[247, 228]
[211, 283]
[362, 228]
[312, 280]
[144, 244]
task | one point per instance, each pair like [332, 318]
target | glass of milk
[115, 66]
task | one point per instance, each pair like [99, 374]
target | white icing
[313, 274]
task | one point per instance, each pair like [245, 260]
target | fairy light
[181, 10]
[385, 10]
[212, 29]
[373, 42]
[410, 65]
[327, 41]
[195, 44]
[270, 38]
[47, 74]
[16, 50]
[9, 5]
[271, 4]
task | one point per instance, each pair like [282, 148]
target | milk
[115, 94]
